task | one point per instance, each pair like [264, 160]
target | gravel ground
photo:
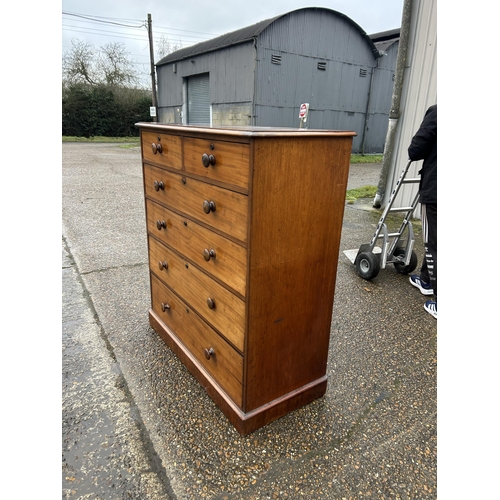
[137, 425]
[363, 174]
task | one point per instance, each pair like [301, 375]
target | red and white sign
[304, 108]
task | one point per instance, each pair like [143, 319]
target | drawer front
[227, 162]
[162, 148]
[227, 210]
[213, 253]
[221, 308]
[225, 364]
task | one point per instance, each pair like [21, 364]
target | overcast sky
[186, 22]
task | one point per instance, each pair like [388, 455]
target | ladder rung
[412, 180]
[400, 209]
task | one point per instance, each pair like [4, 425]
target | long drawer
[217, 207]
[218, 160]
[215, 254]
[221, 308]
[163, 149]
[223, 362]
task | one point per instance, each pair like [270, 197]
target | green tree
[100, 96]
[101, 110]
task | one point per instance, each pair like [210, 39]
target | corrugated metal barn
[261, 74]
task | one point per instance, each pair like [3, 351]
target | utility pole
[395, 105]
[151, 58]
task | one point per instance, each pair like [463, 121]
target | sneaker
[432, 308]
[425, 288]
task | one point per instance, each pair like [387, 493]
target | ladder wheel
[400, 267]
[367, 265]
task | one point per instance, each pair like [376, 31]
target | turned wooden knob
[207, 254]
[163, 265]
[159, 185]
[156, 148]
[207, 160]
[208, 206]
[209, 352]
[161, 224]
[165, 307]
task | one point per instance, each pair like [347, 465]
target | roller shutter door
[198, 96]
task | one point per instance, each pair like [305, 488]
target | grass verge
[366, 158]
[67, 138]
[363, 192]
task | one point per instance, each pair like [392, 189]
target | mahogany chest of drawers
[243, 229]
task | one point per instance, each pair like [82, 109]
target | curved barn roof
[249, 33]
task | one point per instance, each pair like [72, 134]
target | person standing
[424, 147]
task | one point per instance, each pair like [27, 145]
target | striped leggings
[428, 272]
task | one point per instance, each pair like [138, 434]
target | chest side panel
[298, 198]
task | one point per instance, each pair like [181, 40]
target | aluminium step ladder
[394, 250]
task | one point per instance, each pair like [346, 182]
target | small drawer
[227, 162]
[213, 253]
[223, 362]
[221, 308]
[163, 149]
[217, 207]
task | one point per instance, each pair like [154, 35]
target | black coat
[424, 147]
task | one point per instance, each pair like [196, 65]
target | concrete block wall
[238, 115]
[170, 115]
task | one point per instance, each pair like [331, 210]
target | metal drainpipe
[395, 105]
[254, 82]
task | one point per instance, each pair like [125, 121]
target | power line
[99, 19]
[111, 20]
[176, 38]
[83, 24]
[188, 31]
[97, 31]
